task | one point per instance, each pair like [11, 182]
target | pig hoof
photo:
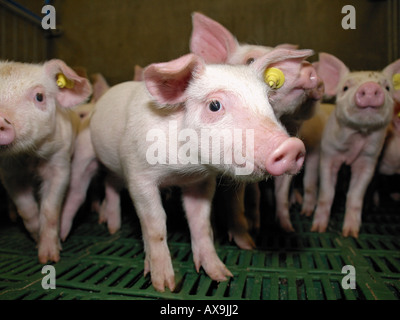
[214, 268]
[243, 240]
[286, 225]
[162, 273]
[318, 227]
[49, 253]
[350, 231]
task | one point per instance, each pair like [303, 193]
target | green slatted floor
[298, 266]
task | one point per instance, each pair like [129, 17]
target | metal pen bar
[22, 11]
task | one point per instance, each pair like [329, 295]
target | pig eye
[345, 88]
[215, 106]
[387, 88]
[39, 97]
[250, 61]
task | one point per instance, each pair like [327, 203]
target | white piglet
[163, 139]
[354, 135]
[37, 136]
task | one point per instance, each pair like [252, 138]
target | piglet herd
[226, 110]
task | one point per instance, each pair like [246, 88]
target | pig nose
[369, 94]
[309, 77]
[287, 158]
[7, 132]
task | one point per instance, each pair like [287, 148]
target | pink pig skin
[389, 163]
[84, 165]
[354, 135]
[293, 103]
[179, 88]
[36, 144]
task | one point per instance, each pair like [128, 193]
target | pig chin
[365, 119]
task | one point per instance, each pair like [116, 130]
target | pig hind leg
[110, 209]
[197, 201]
[310, 182]
[84, 166]
[282, 189]
[237, 221]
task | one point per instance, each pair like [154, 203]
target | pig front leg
[197, 201]
[237, 221]
[55, 175]
[282, 189]
[329, 168]
[310, 182]
[19, 186]
[362, 171]
[147, 200]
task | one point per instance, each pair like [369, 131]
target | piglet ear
[210, 40]
[100, 86]
[392, 72]
[287, 46]
[330, 69]
[278, 55]
[168, 81]
[79, 88]
[138, 73]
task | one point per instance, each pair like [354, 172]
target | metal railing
[22, 37]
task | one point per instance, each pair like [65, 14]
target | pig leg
[310, 183]
[282, 189]
[148, 205]
[55, 175]
[237, 222]
[110, 209]
[362, 171]
[329, 168]
[197, 200]
[84, 166]
[21, 193]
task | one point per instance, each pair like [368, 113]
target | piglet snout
[287, 158]
[370, 94]
[7, 132]
[309, 77]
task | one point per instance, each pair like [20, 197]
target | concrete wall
[112, 36]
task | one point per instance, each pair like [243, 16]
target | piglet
[149, 136]
[84, 165]
[354, 135]
[293, 101]
[37, 134]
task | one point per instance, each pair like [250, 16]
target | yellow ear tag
[64, 82]
[396, 81]
[274, 77]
